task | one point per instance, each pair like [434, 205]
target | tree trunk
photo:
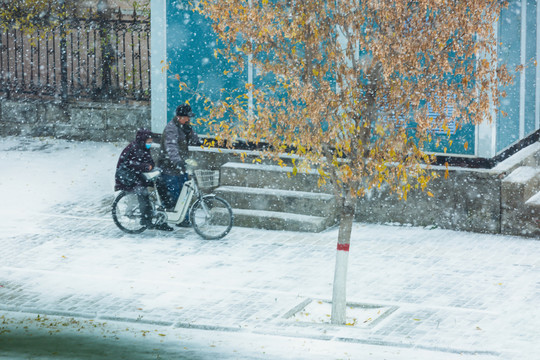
[339, 301]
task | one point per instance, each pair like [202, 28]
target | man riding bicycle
[211, 216]
[174, 151]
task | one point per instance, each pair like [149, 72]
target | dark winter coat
[134, 160]
[174, 150]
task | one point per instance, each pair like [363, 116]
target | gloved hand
[191, 162]
[181, 165]
[187, 128]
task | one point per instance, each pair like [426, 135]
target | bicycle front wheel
[211, 217]
[126, 213]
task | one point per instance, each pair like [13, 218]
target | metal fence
[92, 59]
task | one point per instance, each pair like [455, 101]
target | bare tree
[349, 86]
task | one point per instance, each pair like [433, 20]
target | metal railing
[93, 59]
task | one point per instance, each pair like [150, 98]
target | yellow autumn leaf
[430, 194]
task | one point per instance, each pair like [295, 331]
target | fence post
[5, 74]
[63, 62]
[107, 54]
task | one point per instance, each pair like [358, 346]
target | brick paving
[453, 292]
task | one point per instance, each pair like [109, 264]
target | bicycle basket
[207, 178]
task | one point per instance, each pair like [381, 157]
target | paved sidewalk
[452, 292]
[442, 293]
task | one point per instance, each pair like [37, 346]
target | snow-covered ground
[41, 174]
[73, 286]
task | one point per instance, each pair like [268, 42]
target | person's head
[144, 138]
[183, 114]
[148, 143]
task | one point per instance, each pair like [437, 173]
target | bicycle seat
[153, 174]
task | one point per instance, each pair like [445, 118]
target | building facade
[183, 47]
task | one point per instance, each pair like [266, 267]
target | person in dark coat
[174, 151]
[134, 160]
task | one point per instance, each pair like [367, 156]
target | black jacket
[134, 160]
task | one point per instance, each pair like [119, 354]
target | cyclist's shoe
[163, 227]
[185, 223]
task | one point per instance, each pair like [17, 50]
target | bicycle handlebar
[153, 174]
[156, 172]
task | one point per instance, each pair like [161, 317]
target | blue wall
[190, 46]
[190, 50]
[510, 53]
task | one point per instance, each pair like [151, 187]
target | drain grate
[357, 314]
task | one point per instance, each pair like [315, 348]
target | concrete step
[270, 177]
[532, 207]
[270, 197]
[530, 217]
[520, 202]
[534, 200]
[529, 156]
[520, 185]
[297, 202]
[272, 220]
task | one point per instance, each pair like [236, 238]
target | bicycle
[211, 216]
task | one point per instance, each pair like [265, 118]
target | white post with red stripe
[339, 296]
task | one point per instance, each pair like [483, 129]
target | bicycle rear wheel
[211, 217]
[126, 213]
